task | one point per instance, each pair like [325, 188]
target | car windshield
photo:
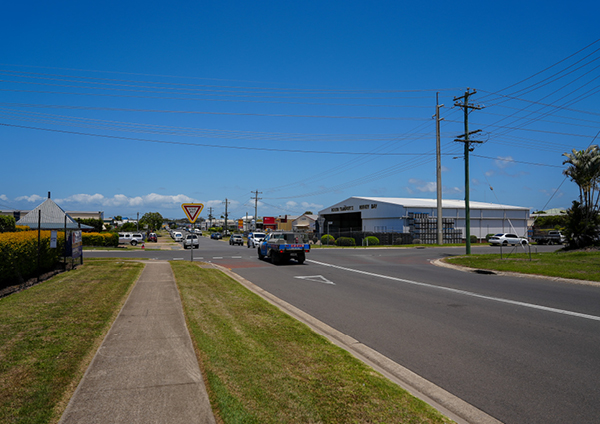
[259, 236]
[498, 235]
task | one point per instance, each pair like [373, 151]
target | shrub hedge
[100, 239]
[371, 241]
[19, 255]
[345, 241]
[327, 239]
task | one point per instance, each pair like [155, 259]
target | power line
[265, 149]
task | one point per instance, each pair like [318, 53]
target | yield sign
[192, 210]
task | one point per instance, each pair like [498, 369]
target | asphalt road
[523, 350]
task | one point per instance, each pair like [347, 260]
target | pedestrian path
[146, 370]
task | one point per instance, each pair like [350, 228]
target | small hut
[50, 216]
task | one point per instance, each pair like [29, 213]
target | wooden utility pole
[440, 235]
[256, 199]
[210, 216]
[464, 138]
[226, 222]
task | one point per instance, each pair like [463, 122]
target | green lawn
[263, 366]
[49, 334]
[582, 265]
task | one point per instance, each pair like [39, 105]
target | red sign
[268, 220]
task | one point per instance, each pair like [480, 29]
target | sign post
[192, 211]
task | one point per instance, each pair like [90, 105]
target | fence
[424, 228]
[385, 238]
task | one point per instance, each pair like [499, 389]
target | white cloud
[83, 198]
[307, 205]
[3, 197]
[422, 186]
[121, 200]
[291, 204]
[34, 198]
[452, 190]
[504, 162]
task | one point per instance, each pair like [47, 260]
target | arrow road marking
[316, 278]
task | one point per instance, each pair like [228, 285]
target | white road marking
[317, 278]
[466, 293]
[217, 257]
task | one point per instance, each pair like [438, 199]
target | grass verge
[263, 366]
[49, 334]
[581, 265]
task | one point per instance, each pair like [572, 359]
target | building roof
[52, 218]
[432, 203]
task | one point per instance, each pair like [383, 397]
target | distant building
[305, 223]
[50, 216]
[284, 223]
[388, 214]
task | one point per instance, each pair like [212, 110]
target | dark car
[216, 236]
[236, 239]
[152, 237]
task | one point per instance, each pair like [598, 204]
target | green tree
[583, 217]
[128, 226]
[98, 224]
[7, 223]
[154, 220]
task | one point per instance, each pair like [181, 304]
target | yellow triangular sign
[192, 210]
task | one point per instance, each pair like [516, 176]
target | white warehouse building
[391, 214]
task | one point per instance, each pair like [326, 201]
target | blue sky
[127, 107]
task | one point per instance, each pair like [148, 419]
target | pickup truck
[280, 246]
[548, 237]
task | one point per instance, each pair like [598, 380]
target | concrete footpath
[146, 370]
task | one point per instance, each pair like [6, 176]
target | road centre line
[463, 292]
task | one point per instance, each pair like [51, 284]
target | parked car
[216, 236]
[505, 239]
[236, 239]
[131, 238]
[548, 237]
[177, 236]
[254, 239]
[191, 241]
[153, 237]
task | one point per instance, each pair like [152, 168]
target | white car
[177, 236]
[254, 239]
[130, 238]
[505, 239]
[191, 241]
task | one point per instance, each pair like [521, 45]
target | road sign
[192, 210]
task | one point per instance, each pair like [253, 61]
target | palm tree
[583, 217]
[584, 170]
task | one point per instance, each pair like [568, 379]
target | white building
[390, 214]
